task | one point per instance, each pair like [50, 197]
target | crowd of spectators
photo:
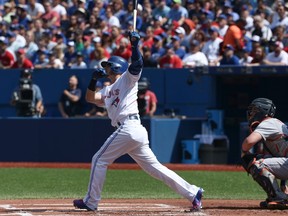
[80, 34]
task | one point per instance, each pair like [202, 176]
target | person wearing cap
[19, 37]
[107, 47]
[245, 58]
[245, 14]
[177, 13]
[148, 60]
[157, 48]
[229, 58]
[278, 56]
[7, 56]
[42, 60]
[228, 10]
[222, 23]
[35, 9]
[176, 46]
[22, 61]
[23, 16]
[170, 60]
[79, 63]
[195, 57]
[54, 63]
[69, 104]
[147, 99]
[212, 47]
[69, 54]
[256, 42]
[32, 104]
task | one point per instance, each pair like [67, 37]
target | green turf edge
[45, 183]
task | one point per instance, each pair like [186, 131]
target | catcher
[272, 164]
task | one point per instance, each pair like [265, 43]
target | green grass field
[20, 183]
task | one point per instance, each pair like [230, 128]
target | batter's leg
[146, 159]
[114, 147]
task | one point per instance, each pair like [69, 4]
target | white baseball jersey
[120, 98]
[131, 138]
[275, 136]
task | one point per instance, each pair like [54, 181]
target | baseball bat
[135, 5]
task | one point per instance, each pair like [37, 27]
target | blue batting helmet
[118, 64]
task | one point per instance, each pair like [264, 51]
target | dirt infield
[150, 207]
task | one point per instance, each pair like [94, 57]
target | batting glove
[99, 73]
[134, 38]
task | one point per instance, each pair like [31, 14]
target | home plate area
[125, 207]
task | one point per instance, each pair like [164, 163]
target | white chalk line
[102, 207]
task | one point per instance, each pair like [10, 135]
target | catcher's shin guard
[267, 181]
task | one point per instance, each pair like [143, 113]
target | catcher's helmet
[143, 84]
[259, 109]
[118, 64]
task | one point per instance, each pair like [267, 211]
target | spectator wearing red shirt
[7, 56]
[147, 100]
[51, 17]
[123, 49]
[22, 61]
[170, 59]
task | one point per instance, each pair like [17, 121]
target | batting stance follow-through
[120, 100]
[272, 163]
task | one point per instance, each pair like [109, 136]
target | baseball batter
[266, 169]
[120, 100]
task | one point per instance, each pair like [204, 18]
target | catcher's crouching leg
[276, 198]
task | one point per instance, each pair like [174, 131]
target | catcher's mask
[259, 109]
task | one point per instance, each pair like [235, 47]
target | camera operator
[27, 97]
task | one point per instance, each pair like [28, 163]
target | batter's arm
[136, 65]
[94, 97]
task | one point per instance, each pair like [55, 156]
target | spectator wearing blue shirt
[157, 49]
[178, 50]
[177, 13]
[229, 58]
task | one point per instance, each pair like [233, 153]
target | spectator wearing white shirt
[111, 19]
[282, 20]
[79, 63]
[60, 9]
[278, 56]
[212, 47]
[223, 26]
[35, 9]
[194, 57]
[264, 32]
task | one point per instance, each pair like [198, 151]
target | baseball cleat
[197, 203]
[263, 204]
[277, 205]
[81, 205]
